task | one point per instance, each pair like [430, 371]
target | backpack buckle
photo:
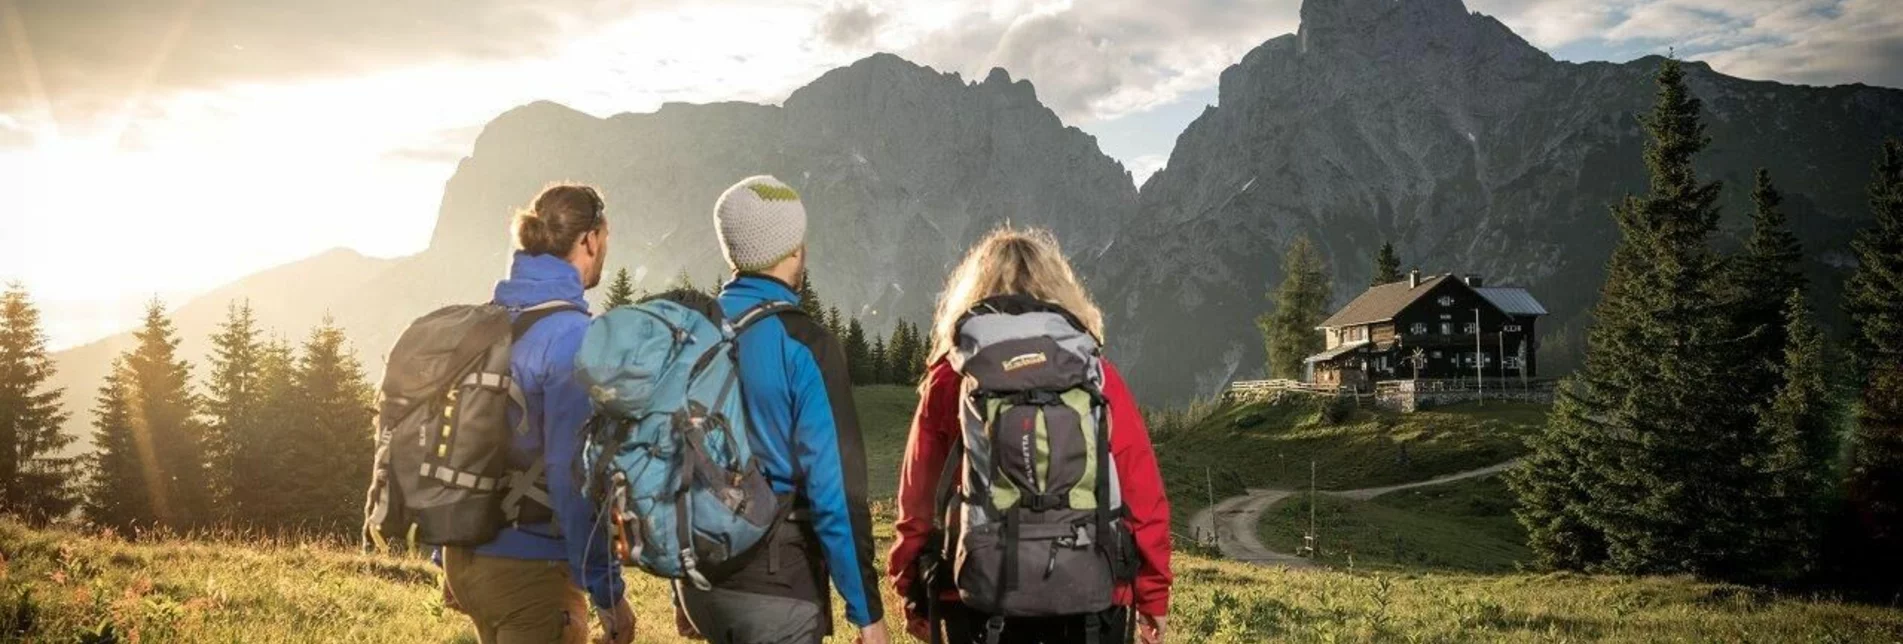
[1038, 398]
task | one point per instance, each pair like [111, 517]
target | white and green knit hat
[761, 221]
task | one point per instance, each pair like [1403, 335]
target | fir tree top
[1387, 265]
[1874, 295]
[620, 290]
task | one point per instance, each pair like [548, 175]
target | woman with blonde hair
[1030, 506]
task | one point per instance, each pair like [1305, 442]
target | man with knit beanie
[806, 437]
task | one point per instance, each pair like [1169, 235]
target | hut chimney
[1414, 278]
[1473, 280]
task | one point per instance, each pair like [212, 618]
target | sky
[166, 147]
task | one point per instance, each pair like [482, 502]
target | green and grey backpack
[1037, 527]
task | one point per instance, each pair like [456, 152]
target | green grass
[885, 417]
[1270, 444]
[231, 587]
[58, 585]
[228, 588]
[1231, 603]
[1465, 525]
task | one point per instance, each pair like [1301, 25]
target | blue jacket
[794, 380]
[543, 365]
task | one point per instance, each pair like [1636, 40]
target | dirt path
[1369, 493]
[1237, 516]
[1237, 537]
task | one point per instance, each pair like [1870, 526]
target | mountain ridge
[1418, 122]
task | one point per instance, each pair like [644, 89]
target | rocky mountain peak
[1405, 30]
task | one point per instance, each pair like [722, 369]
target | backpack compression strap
[528, 483]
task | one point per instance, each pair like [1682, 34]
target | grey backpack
[1037, 529]
[441, 474]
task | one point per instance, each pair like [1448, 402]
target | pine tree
[1387, 265]
[682, 282]
[809, 297]
[1798, 431]
[921, 354]
[333, 435]
[1874, 299]
[117, 492]
[232, 403]
[880, 371]
[858, 353]
[1649, 462]
[901, 353]
[150, 465]
[620, 291]
[261, 490]
[1762, 278]
[36, 480]
[1288, 331]
[834, 324]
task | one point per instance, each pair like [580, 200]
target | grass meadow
[60, 585]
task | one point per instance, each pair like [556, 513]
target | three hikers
[714, 442]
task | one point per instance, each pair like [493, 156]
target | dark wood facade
[1453, 330]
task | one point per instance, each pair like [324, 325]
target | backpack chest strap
[525, 484]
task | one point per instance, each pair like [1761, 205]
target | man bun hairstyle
[561, 214]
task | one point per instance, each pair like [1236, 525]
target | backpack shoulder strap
[746, 320]
[760, 312]
[527, 318]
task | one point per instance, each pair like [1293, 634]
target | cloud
[853, 25]
[13, 133]
[1099, 59]
[1859, 41]
[440, 147]
[1792, 41]
[90, 55]
[1142, 167]
[1550, 24]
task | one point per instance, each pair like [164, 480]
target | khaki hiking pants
[517, 601]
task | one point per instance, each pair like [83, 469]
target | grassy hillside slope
[885, 417]
[62, 586]
[1233, 447]
[1465, 525]
[58, 586]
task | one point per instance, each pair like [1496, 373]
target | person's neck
[783, 274]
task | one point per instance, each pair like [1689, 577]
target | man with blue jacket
[806, 431]
[527, 585]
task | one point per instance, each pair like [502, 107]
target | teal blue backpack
[668, 456]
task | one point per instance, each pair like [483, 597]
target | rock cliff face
[901, 168]
[1422, 123]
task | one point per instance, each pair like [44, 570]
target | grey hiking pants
[734, 617]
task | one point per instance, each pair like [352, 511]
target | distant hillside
[289, 300]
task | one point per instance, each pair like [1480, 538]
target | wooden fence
[1401, 395]
[1254, 389]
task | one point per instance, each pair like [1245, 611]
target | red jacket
[936, 426]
